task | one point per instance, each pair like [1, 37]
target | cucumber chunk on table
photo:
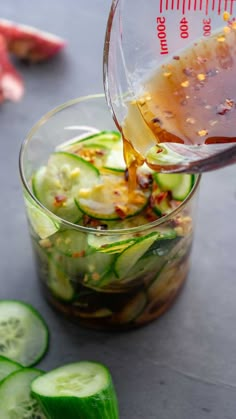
[16, 401]
[23, 333]
[7, 367]
[82, 390]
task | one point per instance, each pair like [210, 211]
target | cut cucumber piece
[180, 185]
[103, 138]
[115, 159]
[71, 243]
[129, 257]
[110, 244]
[110, 200]
[160, 200]
[7, 367]
[82, 390]
[132, 309]
[41, 223]
[16, 401]
[23, 333]
[59, 282]
[102, 149]
[56, 185]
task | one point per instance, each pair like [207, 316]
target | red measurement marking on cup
[204, 6]
[231, 6]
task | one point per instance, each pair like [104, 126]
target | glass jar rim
[160, 221]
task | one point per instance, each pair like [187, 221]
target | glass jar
[117, 278]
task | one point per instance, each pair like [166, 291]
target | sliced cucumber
[102, 149]
[160, 200]
[115, 159]
[102, 138]
[41, 223]
[129, 257]
[59, 282]
[7, 367]
[110, 200]
[180, 185]
[97, 266]
[71, 243]
[16, 401]
[57, 184]
[110, 244]
[82, 390]
[23, 332]
[132, 309]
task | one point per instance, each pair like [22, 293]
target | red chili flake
[188, 71]
[169, 114]
[225, 107]
[59, 200]
[78, 254]
[116, 192]
[100, 152]
[126, 175]
[201, 60]
[159, 198]
[176, 57]
[121, 211]
[159, 150]
[150, 215]
[156, 121]
[144, 181]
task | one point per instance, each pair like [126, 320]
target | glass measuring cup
[169, 81]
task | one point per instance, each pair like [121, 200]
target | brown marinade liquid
[191, 99]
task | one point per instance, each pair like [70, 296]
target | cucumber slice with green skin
[82, 390]
[41, 223]
[15, 396]
[98, 265]
[59, 282]
[57, 184]
[160, 200]
[180, 185]
[109, 200]
[110, 244]
[7, 367]
[132, 309]
[71, 243]
[115, 159]
[23, 333]
[102, 138]
[93, 153]
[129, 257]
